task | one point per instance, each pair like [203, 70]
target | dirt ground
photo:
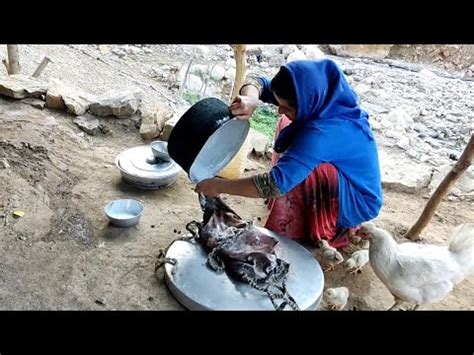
[63, 255]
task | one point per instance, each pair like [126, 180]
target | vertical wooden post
[240, 64]
[234, 169]
[13, 59]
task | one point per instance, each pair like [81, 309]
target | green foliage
[264, 120]
[191, 97]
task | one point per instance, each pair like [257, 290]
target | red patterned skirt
[311, 209]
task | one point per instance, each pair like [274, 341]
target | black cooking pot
[206, 138]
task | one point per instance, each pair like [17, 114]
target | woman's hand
[243, 106]
[209, 187]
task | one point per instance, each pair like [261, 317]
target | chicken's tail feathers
[462, 244]
[462, 238]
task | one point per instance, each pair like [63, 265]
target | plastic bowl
[124, 213]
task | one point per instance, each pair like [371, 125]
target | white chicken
[357, 261]
[336, 298]
[420, 273]
[331, 255]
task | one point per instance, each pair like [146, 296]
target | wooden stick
[41, 67]
[171, 101]
[456, 172]
[240, 64]
[206, 80]
[13, 59]
[182, 86]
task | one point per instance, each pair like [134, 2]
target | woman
[326, 177]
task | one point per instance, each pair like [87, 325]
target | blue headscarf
[329, 128]
[322, 92]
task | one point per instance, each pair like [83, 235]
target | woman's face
[284, 108]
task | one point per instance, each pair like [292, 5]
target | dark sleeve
[263, 86]
[266, 94]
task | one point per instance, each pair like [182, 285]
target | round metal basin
[197, 287]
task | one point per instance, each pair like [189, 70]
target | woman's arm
[260, 185]
[266, 94]
[242, 187]
[253, 90]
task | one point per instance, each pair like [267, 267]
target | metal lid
[197, 287]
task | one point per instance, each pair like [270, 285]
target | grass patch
[264, 120]
[191, 97]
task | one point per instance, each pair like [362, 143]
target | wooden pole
[13, 59]
[456, 172]
[234, 169]
[41, 67]
[240, 64]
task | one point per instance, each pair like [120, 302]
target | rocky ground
[58, 149]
